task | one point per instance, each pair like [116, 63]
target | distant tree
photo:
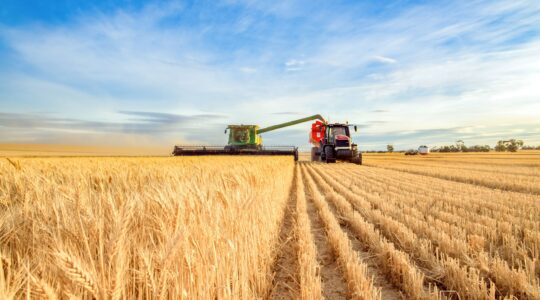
[460, 145]
[390, 148]
[511, 145]
[500, 147]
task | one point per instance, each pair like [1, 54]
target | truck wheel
[357, 159]
[315, 156]
[330, 156]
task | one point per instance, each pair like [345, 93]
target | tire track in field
[388, 290]
[334, 285]
[286, 283]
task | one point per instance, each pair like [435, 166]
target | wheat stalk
[74, 271]
[4, 261]
[42, 289]
[15, 164]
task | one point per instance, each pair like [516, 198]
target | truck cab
[332, 142]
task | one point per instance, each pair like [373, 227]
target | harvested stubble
[396, 264]
[359, 283]
[372, 192]
[309, 276]
[514, 172]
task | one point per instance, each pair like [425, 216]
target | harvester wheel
[330, 156]
[315, 156]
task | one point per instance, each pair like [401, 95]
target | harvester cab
[332, 142]
[243, 136]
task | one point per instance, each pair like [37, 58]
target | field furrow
[334, 284]
[439, 268]
[396, 265]
[502, 237]
[523, 283]
[308, 268]
[285, 283]
[359, 284]
[524, 208]
[507, 182]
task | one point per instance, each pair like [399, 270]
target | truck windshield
[337, 131]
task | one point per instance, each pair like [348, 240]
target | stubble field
[442, 226]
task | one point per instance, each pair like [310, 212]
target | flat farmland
[441, 226]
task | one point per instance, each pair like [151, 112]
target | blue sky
[165, 72]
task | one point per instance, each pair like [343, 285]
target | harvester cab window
[241, 135]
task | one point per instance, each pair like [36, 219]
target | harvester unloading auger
[246, 140]
[330, 142]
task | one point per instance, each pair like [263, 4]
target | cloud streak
[137, 123]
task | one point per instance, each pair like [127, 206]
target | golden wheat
[143, 227]
[442, 226]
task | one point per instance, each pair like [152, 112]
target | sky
[158, 73]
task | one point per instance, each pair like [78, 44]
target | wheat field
[441, 226]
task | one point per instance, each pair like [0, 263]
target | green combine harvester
[246, 140]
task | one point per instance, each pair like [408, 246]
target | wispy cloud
[294, 65]
[384, 59]
[248, 70]
[138, 122]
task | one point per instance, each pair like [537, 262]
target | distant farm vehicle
[423, 150]
[411, 152]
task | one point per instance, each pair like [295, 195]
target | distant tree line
[530, 148]
[511, 145]
[461, 147]
[453, 148]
